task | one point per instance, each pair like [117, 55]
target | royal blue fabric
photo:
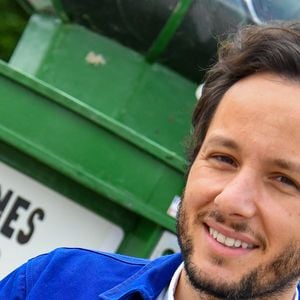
[84, 274]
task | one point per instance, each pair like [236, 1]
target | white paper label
[35, 219]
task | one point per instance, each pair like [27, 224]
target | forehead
[264, 92]
[262, 107]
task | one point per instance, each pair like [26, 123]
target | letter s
[23, 238]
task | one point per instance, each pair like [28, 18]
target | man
[239, 220]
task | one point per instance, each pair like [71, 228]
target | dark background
[13, 20]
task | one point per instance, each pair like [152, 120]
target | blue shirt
[86, 274]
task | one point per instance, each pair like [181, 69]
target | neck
[185, 290]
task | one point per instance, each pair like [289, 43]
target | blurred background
[13, 20]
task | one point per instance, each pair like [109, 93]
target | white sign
[35, 219]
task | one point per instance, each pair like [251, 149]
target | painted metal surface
[96, 122]
[140, 234]
[83, 150]
[150, 99]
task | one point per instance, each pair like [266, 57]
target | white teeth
[244, 245]
[221, 238]
[215, 234]
[237, 243]
[227, 241]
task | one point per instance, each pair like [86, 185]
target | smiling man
[239, 220]
[238, 224]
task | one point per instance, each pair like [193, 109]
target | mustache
[242, 227]
[238, 227]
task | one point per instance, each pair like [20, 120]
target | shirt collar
[173, 284]
[297, 294]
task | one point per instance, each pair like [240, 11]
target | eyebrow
[286, 165]
[219, 140]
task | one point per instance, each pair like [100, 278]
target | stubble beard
[268, 281]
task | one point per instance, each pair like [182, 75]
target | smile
[228, 241]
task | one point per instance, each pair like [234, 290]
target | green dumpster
[92, 144]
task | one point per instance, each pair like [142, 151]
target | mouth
[228, 241]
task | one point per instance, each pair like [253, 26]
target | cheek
[289, 224]
[282, 222]
[203, 186]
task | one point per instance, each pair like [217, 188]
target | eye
[225, 159]
[287, 181]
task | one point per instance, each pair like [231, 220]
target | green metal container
[97, 123]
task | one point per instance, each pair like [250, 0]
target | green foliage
[13, 20]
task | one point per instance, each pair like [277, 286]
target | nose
[239, 196]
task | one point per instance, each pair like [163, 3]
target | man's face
[239, 223]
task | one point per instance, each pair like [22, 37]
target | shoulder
[77, 271]
[70, 256]
[80, 257]
[93, 266]
[68, 270]
[82, 263]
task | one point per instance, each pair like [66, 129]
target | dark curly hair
[271, 48]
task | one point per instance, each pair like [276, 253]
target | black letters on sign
[4, 201]
[13, 215]
[23, 238]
